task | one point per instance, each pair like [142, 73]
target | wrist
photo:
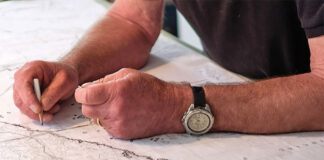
[73, 67]
[183, 98]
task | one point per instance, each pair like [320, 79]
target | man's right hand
[57, 81]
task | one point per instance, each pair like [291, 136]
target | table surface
[48, 29]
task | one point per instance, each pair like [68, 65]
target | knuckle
[27, 67]
[125, 70]
[34, 63]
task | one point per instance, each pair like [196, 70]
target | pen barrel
[38, 95]
[37, 89]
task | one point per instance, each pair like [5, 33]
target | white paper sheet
[47, 29]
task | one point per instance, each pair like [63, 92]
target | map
[48, 29]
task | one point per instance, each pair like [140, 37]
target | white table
[47, 29]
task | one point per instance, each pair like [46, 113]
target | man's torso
[258, 39]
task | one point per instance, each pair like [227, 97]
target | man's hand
[128, 30]
[131, 104]
[58, 82]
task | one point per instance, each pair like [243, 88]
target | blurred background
[176, 24]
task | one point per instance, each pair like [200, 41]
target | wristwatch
[198, 119]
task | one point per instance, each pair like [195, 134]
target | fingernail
[34, 108]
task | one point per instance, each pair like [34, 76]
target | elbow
[142, 40]
[150, 29]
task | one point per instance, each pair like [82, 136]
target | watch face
[198, 122]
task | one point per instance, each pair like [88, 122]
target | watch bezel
[197, 110]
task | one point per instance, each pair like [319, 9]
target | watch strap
[199, 96]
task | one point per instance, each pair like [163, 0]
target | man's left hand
[131, 104]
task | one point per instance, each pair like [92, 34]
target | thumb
[107, 78]
[94, 94]
[56, 90]
[110, 77]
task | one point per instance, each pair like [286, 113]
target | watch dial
[198, 122]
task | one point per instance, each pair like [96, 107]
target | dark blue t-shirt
[257, 38]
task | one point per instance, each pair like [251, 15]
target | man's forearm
[278, 105]
[111, 44]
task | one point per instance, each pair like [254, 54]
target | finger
[97, 92]
[57, 89]
[93, 95]
[24, 84]
[110, 77]
[107, 78]
[27, 94]
[27, 111]
[47, 117]
[55, 109]
[93, 112]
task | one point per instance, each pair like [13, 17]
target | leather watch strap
[199, 96]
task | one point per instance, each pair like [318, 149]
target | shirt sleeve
[311, 15]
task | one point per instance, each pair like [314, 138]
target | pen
[38, 95]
